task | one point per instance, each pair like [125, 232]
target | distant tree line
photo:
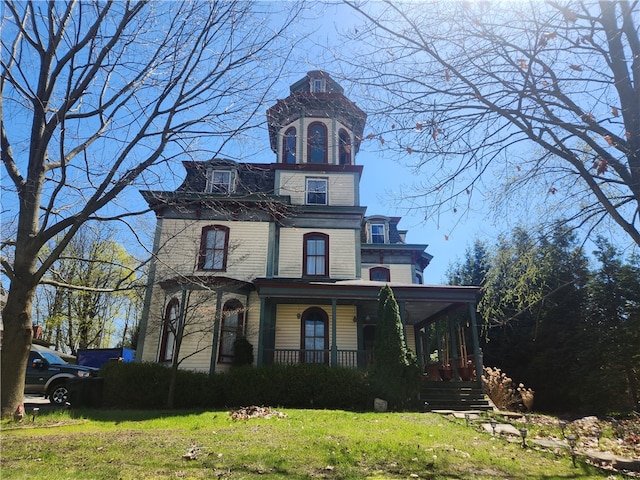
[565, 324]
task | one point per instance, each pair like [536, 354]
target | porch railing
[345, 358]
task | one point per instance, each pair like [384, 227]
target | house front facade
[285, 255]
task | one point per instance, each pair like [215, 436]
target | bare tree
[98, 97]
[92, 284]
[539, 98]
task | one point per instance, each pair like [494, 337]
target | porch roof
[423, 304]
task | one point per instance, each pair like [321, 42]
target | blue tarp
[96, 357]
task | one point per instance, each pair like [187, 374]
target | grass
[110, 444]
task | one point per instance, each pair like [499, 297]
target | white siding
[340, 187]
[180, 247]
[342, 262]
[401, 273]
[288, 326]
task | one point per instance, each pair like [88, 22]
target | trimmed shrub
[145, 385]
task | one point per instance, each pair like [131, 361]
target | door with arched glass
[314, 336]
[230, 329]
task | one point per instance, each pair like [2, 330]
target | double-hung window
[318, 85]
[377, 233]
[220, 181]
[214, 245]
[316, 254]
[316, 191]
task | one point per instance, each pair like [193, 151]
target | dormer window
[376, 233]
[220, 181]
[318, 85]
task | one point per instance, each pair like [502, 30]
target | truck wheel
[58, 393]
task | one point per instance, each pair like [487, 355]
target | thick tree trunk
[16, 343]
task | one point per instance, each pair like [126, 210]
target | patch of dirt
[247, 413]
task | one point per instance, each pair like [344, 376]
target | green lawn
[104, 444]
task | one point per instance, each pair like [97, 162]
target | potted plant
[465, 365]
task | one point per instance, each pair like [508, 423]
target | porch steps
[453, 396]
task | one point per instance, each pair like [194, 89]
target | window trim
[202, 257]
[384, 233]
[325, 320]
[305, 254]
[307, 190]
[287, 136]
[325, 145]
[167, 334]
[211, 184]
[318, 85]
[233, 305]
[373, 270]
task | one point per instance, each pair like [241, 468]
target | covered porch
[439, 323]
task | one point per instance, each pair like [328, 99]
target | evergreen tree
[612, 376]
[395, 373]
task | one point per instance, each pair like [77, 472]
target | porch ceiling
[422, 303]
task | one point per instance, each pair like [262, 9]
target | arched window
[317, 143]
[214, 246]
[231, 328]
[314, 337]
[379, 274]
[289, 146]
[316, 254]
[169, 329]
[344, 153]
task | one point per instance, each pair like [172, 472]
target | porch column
[216, 334]
[334, 333]
[418, 340]
[477, 354]
[261, 333]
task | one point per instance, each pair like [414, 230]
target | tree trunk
[16, 344]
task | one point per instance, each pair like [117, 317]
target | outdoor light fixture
[466, 418]
[598, 433]
[523, 434]
[34, 413]
[563, 425]
[572, 445]
[493, 425]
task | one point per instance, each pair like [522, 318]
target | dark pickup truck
[49, 375]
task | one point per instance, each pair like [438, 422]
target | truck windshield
[52, 358]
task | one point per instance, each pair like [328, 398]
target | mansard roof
[250, 177]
